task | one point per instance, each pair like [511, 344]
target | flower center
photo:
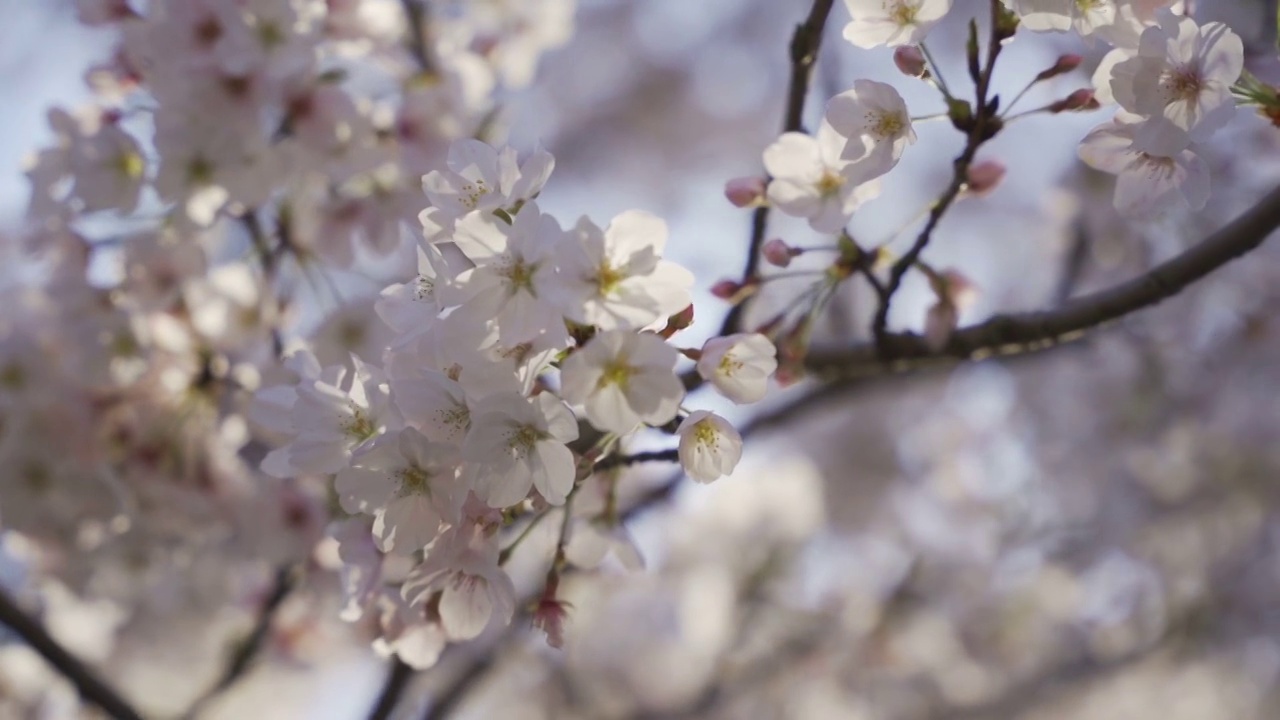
[607, 278]
[885, 124]
[523, 439]
[359, 427]
[472, 192]
[829, 184]
[1182, 84]
[414, 481]
[616, 372]
[519, 275]
[704, 433]
[903, 13]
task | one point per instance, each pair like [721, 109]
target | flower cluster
[513, 331]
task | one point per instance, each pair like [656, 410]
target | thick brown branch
[398, 676]
[1029, 332]
[415, 13]
[86, 681]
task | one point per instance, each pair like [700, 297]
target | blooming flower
[481, 178]
[408, 483]
[463, 566]
[516, 444]
[709, 446]
[739, 365]
[514, 285]
[1180, 80]
[873, 119]
[624, 379]
[617, 279]
[892, 22]
[810, 180]
[1083, 16]
[1146, 181]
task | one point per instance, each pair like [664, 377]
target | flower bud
[910, 61]
[983, 177]
[745, 192]
[678, 322]
[779, 253]
[1065, 64]
[1082, 99]
[726, 289]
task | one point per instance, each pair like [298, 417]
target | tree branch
[614, 461]
[805, 44]
[415, 13]
[984, 127]
[241, 659]
[1030, 332]
[86, 681]
[398, 675]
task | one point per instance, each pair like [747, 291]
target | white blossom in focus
[624, 379]
[480, 177]
[517, 444]
[410, 486]
[616, 279]
[1083, 16]
[739, 365]
[873, 119]
[709, 447]
[810, 180]
[892, 22]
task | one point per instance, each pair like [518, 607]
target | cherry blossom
[515, 445]
[624, 379]
[1146, 182]
[1180, 80]
[810, 180]
[874, 121]
[474, 591]
[892, 22]
[709, 446]
[739, 365]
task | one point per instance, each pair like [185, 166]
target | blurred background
[1091, 532]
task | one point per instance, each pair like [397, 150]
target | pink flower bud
[779, 253]
[726, 289]
[1065, 64]
[1081, 99]
[910, 61]
[678, 322]
[939, 323]
[745, 192]
[983, 177]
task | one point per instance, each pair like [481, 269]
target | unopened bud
[779, 253]
[745, 192]
[983, 177]
[1082, 99]
[726, 289]
[1065, 64]
[678, 322]
[910, 60]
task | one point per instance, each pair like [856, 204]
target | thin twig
[1029, 332]
[805, 44]
[86, 681]
[979, 133]
[614, 461]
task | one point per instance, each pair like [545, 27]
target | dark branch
[804, 53]
[1029, 332]
[86, 681]
[614, 461]
[415, 13]
[398, 676]
[983, 128]
[246, 651]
